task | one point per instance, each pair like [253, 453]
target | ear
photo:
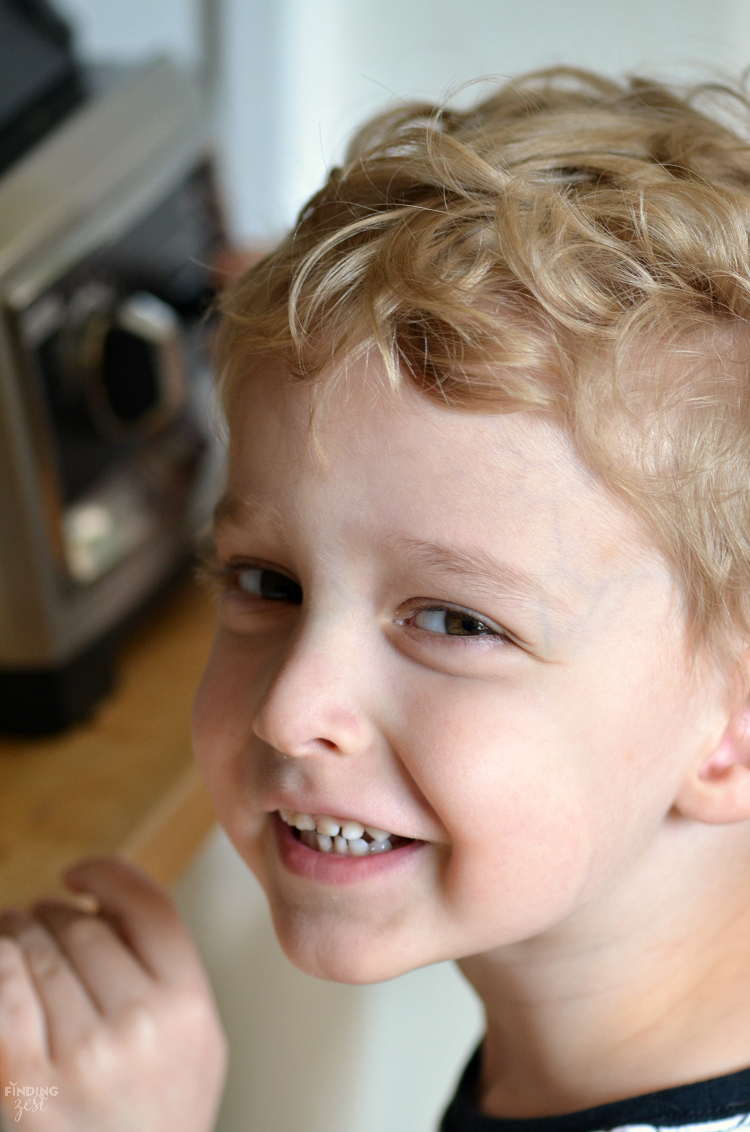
[717, 790]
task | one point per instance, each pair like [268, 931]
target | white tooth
[325, 844]
[382, 845]
[327, 825]
[303, 821]
[341, 845]
[351, 830]
[377, 834]
[308, 838]
[287, 815]
[358, 847]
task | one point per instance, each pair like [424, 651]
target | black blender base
[43, 701]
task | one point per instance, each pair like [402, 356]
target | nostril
[304, 724]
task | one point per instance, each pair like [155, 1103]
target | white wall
[298, 75]
[125, 29]
[346, 58]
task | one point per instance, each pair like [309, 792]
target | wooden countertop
[124, 782]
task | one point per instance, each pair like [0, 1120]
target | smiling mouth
[325, 834]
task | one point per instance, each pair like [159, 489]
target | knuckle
[186, 1015]
[139, 1026]
[94, 1056]
[195, 1014]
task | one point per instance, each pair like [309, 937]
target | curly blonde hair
[570, 245]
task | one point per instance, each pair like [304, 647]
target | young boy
[479, 686]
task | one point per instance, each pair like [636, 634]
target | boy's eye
[452, 623]
[268, 584]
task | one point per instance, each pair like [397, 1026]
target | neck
[645, 988]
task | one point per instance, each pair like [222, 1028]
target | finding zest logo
[29, 1098]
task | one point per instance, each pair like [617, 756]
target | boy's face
[487, 659]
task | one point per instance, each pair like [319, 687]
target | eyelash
[491, 633]
[221, 578]
[212, 574]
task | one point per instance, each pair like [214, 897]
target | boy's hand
[113, 1011]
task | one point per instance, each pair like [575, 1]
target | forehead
[386, 470]
[363, 437]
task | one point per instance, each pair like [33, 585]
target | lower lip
[335, 868]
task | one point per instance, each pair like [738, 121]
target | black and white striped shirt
[719, 1105]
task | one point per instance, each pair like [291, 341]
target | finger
[69, 1011]
[23, 1031]
[107, 968]
[144, 916]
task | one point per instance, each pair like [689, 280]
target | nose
[314, 701]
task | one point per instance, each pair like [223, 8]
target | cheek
[515, 805]
[638, 727]
[544, 798]
[222, 727]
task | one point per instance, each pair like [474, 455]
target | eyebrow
[490, 576]
[241, 511]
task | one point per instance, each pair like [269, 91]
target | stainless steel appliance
[107, 231]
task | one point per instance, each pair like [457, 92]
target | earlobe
[717, 791]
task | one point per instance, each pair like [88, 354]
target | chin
[339, 954]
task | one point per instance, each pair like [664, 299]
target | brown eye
[268, 584]
[452, 623]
